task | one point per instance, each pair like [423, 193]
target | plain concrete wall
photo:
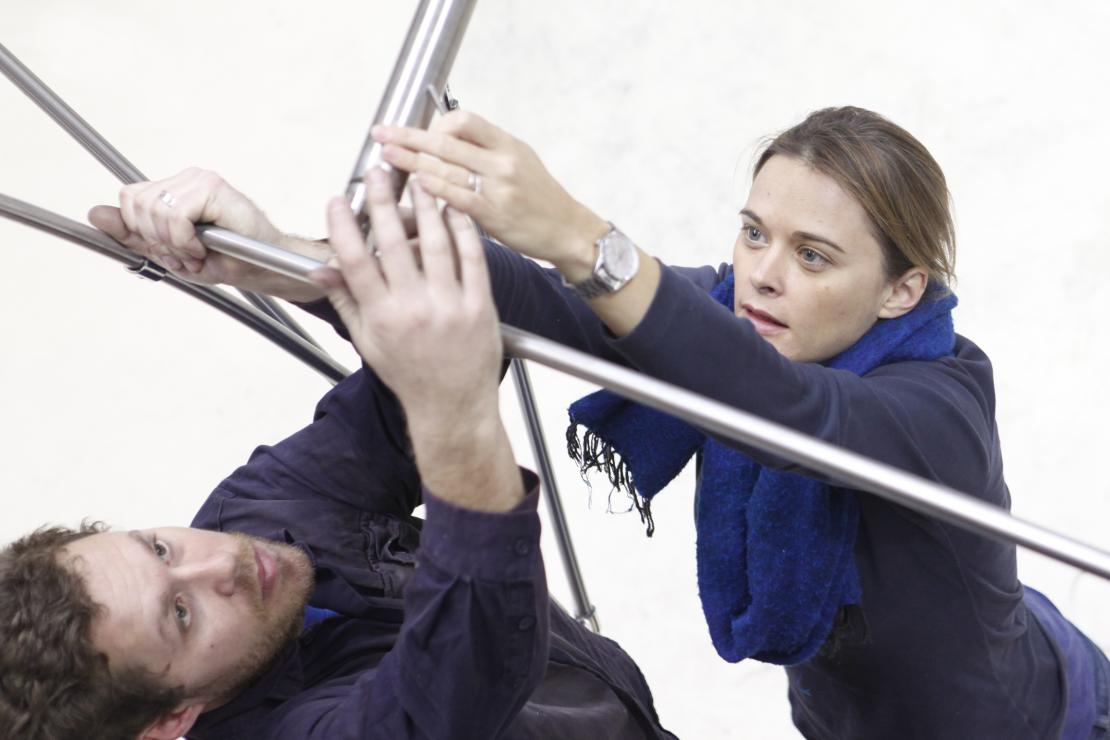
[127, 401]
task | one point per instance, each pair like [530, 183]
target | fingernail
[172, 262]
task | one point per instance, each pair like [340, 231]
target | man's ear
[173, 725]
[905, 292]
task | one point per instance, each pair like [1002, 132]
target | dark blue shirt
[943, 645]
[445, 628]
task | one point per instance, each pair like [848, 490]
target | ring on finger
[474, 182]
[167, 197]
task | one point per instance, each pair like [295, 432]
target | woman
[834, 319]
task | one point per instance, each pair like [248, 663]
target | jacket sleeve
[473, 646]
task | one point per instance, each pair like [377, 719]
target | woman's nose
[768, 271]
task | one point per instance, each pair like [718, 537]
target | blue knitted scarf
[774, 549]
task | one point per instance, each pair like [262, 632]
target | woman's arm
[519, 203]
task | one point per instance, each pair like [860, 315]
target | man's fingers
[360, 270]
[397, 261]
[109, 220]
[473, 272]
[436, 253]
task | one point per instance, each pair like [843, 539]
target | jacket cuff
[501, 546]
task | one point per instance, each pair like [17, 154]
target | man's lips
[764, 323]
[267, 570]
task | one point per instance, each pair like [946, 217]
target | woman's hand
[518, 202]
[157, 220]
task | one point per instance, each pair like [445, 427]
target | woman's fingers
[411, 161]
[441, 145]
[437, 255]
[462, 199]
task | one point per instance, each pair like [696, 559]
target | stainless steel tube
[849, 468]
[418, 80]
[99, 242]
[584, 611]
[221, 240]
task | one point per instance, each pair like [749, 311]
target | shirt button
[526, 623]
[522, 547]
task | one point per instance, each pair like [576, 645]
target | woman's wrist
[578, 246]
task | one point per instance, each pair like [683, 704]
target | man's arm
[462, 667]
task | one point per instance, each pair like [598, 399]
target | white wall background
[127, 401]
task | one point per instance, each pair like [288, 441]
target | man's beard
[280, 622]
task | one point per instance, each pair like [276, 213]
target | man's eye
[182, 613]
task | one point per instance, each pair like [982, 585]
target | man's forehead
[122, 577]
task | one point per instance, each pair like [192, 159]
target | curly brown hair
[54, 683]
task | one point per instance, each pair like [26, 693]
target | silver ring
[167, 197]
[474, 182]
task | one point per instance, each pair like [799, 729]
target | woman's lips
[765, 324]
[267, 570]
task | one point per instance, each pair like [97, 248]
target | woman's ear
[904, 292]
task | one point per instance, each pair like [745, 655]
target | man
[205, 632]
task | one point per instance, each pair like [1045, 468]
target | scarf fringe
[594, 453]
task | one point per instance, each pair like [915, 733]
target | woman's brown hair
[892, 176]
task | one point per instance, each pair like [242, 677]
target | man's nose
[216, 571]
[769, 271]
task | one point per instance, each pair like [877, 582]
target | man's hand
[157, 220]
[424, 320]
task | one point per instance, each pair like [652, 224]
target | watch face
[619, 257]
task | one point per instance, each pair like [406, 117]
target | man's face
[199, 609]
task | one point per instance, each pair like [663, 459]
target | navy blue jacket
[464, 646]
[945, 646]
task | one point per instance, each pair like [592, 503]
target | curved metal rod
[98, 241]
[110, 157]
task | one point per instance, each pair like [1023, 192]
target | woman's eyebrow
[751, 214]
[810, 237]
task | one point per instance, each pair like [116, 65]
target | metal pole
[849, 468]
[584, 611]
[416, 89]
[99, 242]
[416, 85]
[77, 127]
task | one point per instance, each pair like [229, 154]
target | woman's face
[809, 271]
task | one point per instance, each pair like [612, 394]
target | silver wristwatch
[617, 263]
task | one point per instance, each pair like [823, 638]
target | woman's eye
[182, 613]
[160, 549]
[812, 257]
[753, 233]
